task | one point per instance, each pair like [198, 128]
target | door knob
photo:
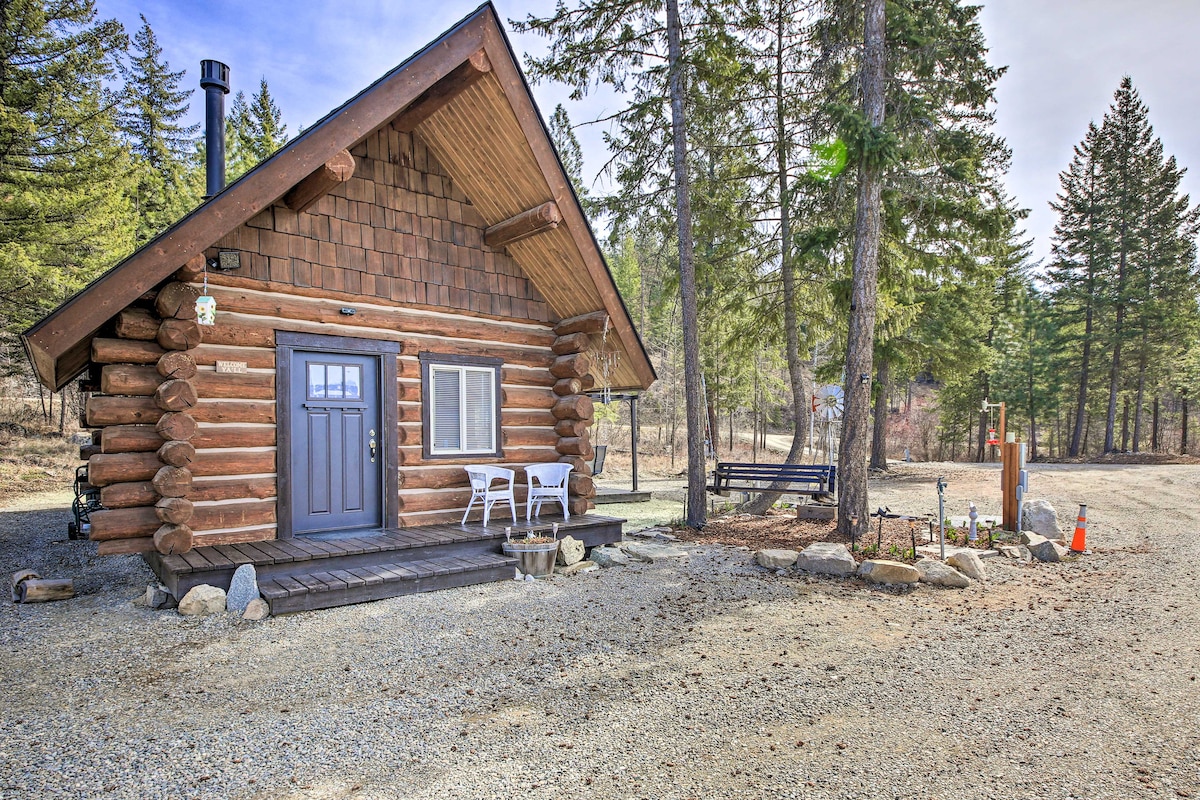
[373, 447]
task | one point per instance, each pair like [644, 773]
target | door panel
[335, 411]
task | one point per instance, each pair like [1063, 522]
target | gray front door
[336, 453]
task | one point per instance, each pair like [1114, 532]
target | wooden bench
[807, 479]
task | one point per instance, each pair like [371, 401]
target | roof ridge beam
[435, 97]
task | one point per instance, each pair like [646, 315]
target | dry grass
[33, 456]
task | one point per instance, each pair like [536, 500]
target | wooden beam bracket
[528, 223]
[442, 92]
[327, 177]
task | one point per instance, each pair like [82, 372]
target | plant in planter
[535, 552]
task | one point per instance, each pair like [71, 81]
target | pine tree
[63, 210]
[150, 120]
[254, 130]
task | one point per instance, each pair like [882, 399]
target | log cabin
[408, 287]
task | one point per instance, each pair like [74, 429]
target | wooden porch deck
[327, 570]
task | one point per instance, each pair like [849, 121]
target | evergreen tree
[162, 147]
[63, 210]
[254, 130]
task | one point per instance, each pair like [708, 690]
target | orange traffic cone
[1079, 542]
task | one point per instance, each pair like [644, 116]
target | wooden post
[1010, 473]
[1003, 426]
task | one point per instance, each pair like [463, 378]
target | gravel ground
[703, 678]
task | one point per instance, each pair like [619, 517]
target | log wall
[185, 456]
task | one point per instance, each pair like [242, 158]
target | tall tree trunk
[1154, 432]
[1033, 439]
[697, 511]
[1114, 375]
[801, 409]
[1140, 398]
[860, 341]
[879, 429]
[1077, 439]
[1125, 427]
[1183, 442]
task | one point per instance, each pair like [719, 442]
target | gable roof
[466, 97]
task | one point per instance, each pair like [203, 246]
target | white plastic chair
[551, 484]
[481, 489]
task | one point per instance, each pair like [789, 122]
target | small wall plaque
[231, 367]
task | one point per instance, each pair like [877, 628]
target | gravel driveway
[702, 678]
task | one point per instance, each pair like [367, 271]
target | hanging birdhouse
[992, 437]
[206, 310]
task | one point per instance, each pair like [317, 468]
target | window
[460, 405]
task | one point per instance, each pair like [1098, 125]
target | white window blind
[463, 409]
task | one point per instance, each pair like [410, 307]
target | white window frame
[463, 366]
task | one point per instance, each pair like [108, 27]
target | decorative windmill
[829, 405]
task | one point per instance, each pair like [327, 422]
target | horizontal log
[409, 434]
[411, 456]
[514, 376]
[578, 465]
[193, 269]
[581, 486]
[578, 506]
[44, 590]
[172, 481]
[130, 439]
[176, 300]
[429, 500]
[177, 426]
[248, 386]
[325, 178]
[239, 334]
[120, 547]
[129, 380]
[539, 219]
[207, 355]
[260, 534]
[173, 539]
[532, 418]
[176, 395]
[578, 406]
[125, 351]
[174, 510]
[122, 468]
[233, 411]
[302, 309]
[89, 450]
[568, 386]
[233, 462]
[102, 411]
[234, 436]
[178, 334]
[572, 427]
[128, 495]
[127, 523]
[123, 523]
[528, 437]
[575, 365]
[177, 454]
[137, 323]
[143, 493]
[575, 446]
[522, 397]
[571, 343]
[232, 489]
[593, 322]
[176, 364]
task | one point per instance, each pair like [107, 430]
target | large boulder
[885, 571]
[570, 551]
[826, 558]
[609, 557]
[776, 559]
[1039, 516]
[202, 600]
[936, 573]
[968, 563]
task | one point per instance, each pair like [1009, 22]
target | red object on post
[992, 438]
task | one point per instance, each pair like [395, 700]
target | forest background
[1093, 348]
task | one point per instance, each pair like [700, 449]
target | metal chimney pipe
[214, 79]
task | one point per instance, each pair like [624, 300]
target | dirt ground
[698, 677]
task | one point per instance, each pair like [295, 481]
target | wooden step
[339, 587]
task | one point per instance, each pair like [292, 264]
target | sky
[1065, 59]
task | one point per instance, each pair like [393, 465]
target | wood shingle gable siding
[399, 230]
